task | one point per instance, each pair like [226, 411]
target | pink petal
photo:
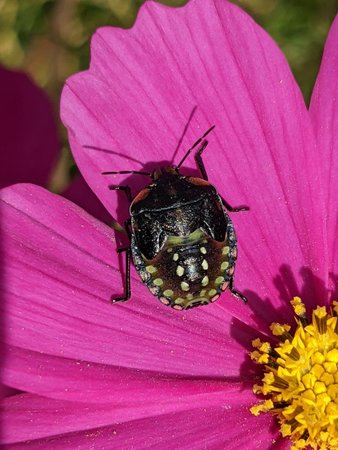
[324, 113]
[213, 422]
[135, 100]
[29, 137]
[80, 194]
[78, 380]
[60, 273]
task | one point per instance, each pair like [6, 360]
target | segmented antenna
[195, 144]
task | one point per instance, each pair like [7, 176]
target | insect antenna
[124, 172]
[195, 144]
[184, 132]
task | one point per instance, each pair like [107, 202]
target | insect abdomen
[189, 271]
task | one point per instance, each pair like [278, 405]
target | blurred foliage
[300, 29]
[50, 38]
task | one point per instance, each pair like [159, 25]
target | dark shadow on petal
[334, 280]
[80, 193]
[313, 292]
[242, 333]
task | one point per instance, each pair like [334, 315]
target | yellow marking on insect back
[225, 250]
[212, 292]
[205, 264]
[195, 236]
[151, 269]
[185, 286]
[175, 240]
[179, 300]
[158, 282]
[203, 250]
[189, 296]
[301, 378]
[205, 281]
[224, 265]
[179, 271]
[203, 292]
[175, 257]
[168, 292]
[202, 300]
[219, 280]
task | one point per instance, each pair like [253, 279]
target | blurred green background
[49, 39]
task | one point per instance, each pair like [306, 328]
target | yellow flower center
[301, 378]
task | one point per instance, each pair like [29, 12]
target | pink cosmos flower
[139, 374]
[29, 136]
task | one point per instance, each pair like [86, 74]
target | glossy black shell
[183, 242]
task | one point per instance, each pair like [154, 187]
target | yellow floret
[301, 388]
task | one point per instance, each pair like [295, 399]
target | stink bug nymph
[182, 241]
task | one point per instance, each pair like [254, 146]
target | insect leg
[199, 160]
[236, 293]
[232, 209]
[127, 289]
[126, 189]
[200, 164]
[127, 225]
